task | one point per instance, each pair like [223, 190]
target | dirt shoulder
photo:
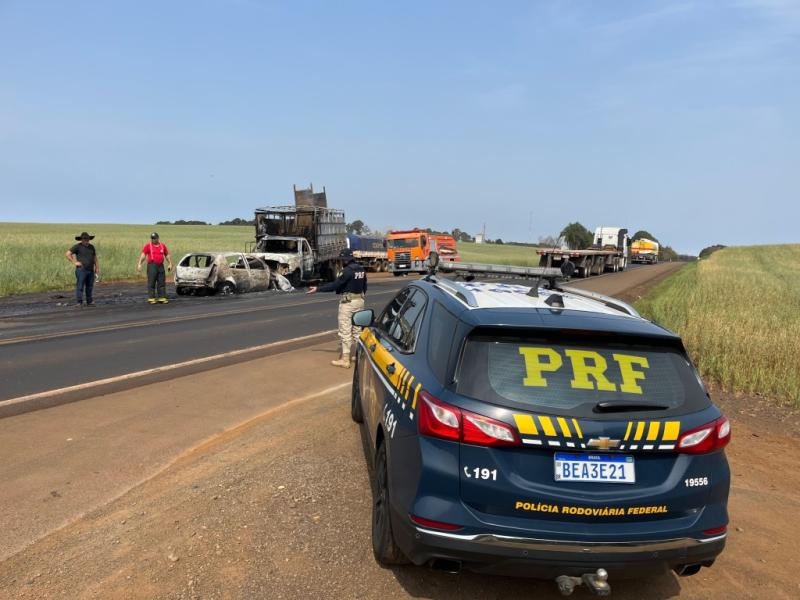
[63, 461]
[280, 508]
[631, 284]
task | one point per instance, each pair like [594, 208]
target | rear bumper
[187, 283]
[415, 266]
[532, 557]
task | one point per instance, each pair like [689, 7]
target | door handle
[391, 369]
[372, 347]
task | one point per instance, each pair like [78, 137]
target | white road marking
[161, 369]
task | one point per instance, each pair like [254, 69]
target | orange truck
[409, 250]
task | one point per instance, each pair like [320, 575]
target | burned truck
[301, 242]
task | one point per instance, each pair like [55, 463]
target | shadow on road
[420, 582]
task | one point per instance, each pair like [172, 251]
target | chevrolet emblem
[603, 443]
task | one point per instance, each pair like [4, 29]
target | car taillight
[437, 419]
[716, 530]
[435, 524]
[707, 438]
[483, 431]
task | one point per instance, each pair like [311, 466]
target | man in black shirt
[351, 286]
[84, 257]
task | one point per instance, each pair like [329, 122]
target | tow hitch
[596, 582]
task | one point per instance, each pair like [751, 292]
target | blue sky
[676, 117]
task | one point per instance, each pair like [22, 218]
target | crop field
[32, 254]
[739, 315]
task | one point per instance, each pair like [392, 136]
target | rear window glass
[197, 261]
[572, 378]
[440, 339]
[404, 243]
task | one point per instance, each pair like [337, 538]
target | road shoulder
[73, 458]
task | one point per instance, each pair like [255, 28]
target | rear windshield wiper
[623, 406]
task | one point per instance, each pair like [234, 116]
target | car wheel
[383, 545]
[181, 291]
[396, 274]
[226, 288]
[355, 399]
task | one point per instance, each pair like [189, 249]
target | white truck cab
[611, 237]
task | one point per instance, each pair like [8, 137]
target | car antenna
[433, 265]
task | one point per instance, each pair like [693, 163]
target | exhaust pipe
[446, 565]
[688, 570]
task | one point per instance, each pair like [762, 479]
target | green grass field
[502, 254]
[739, 315]
[32, 254]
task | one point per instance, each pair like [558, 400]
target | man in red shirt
[155, 252]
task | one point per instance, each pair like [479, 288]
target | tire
[356, 412]
[384, 547]
[181, 291]
[295, 279]
[226, 288]
[396, 274]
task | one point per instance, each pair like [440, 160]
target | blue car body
[520, 438]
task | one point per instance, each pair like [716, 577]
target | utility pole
[530, 227]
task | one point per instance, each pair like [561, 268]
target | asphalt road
[42, 350]
[56, 349]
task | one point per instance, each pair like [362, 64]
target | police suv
[536, 430]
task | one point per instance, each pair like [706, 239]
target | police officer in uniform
[351, 286]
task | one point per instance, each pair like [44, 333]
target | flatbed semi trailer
[608, 253]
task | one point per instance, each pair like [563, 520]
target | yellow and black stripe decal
[402, 384]
[545, 430]
[651, 435]
[557, 431]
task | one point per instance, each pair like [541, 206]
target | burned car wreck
[222, 273]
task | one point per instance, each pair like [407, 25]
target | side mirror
[363, 318]
[433, 260]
